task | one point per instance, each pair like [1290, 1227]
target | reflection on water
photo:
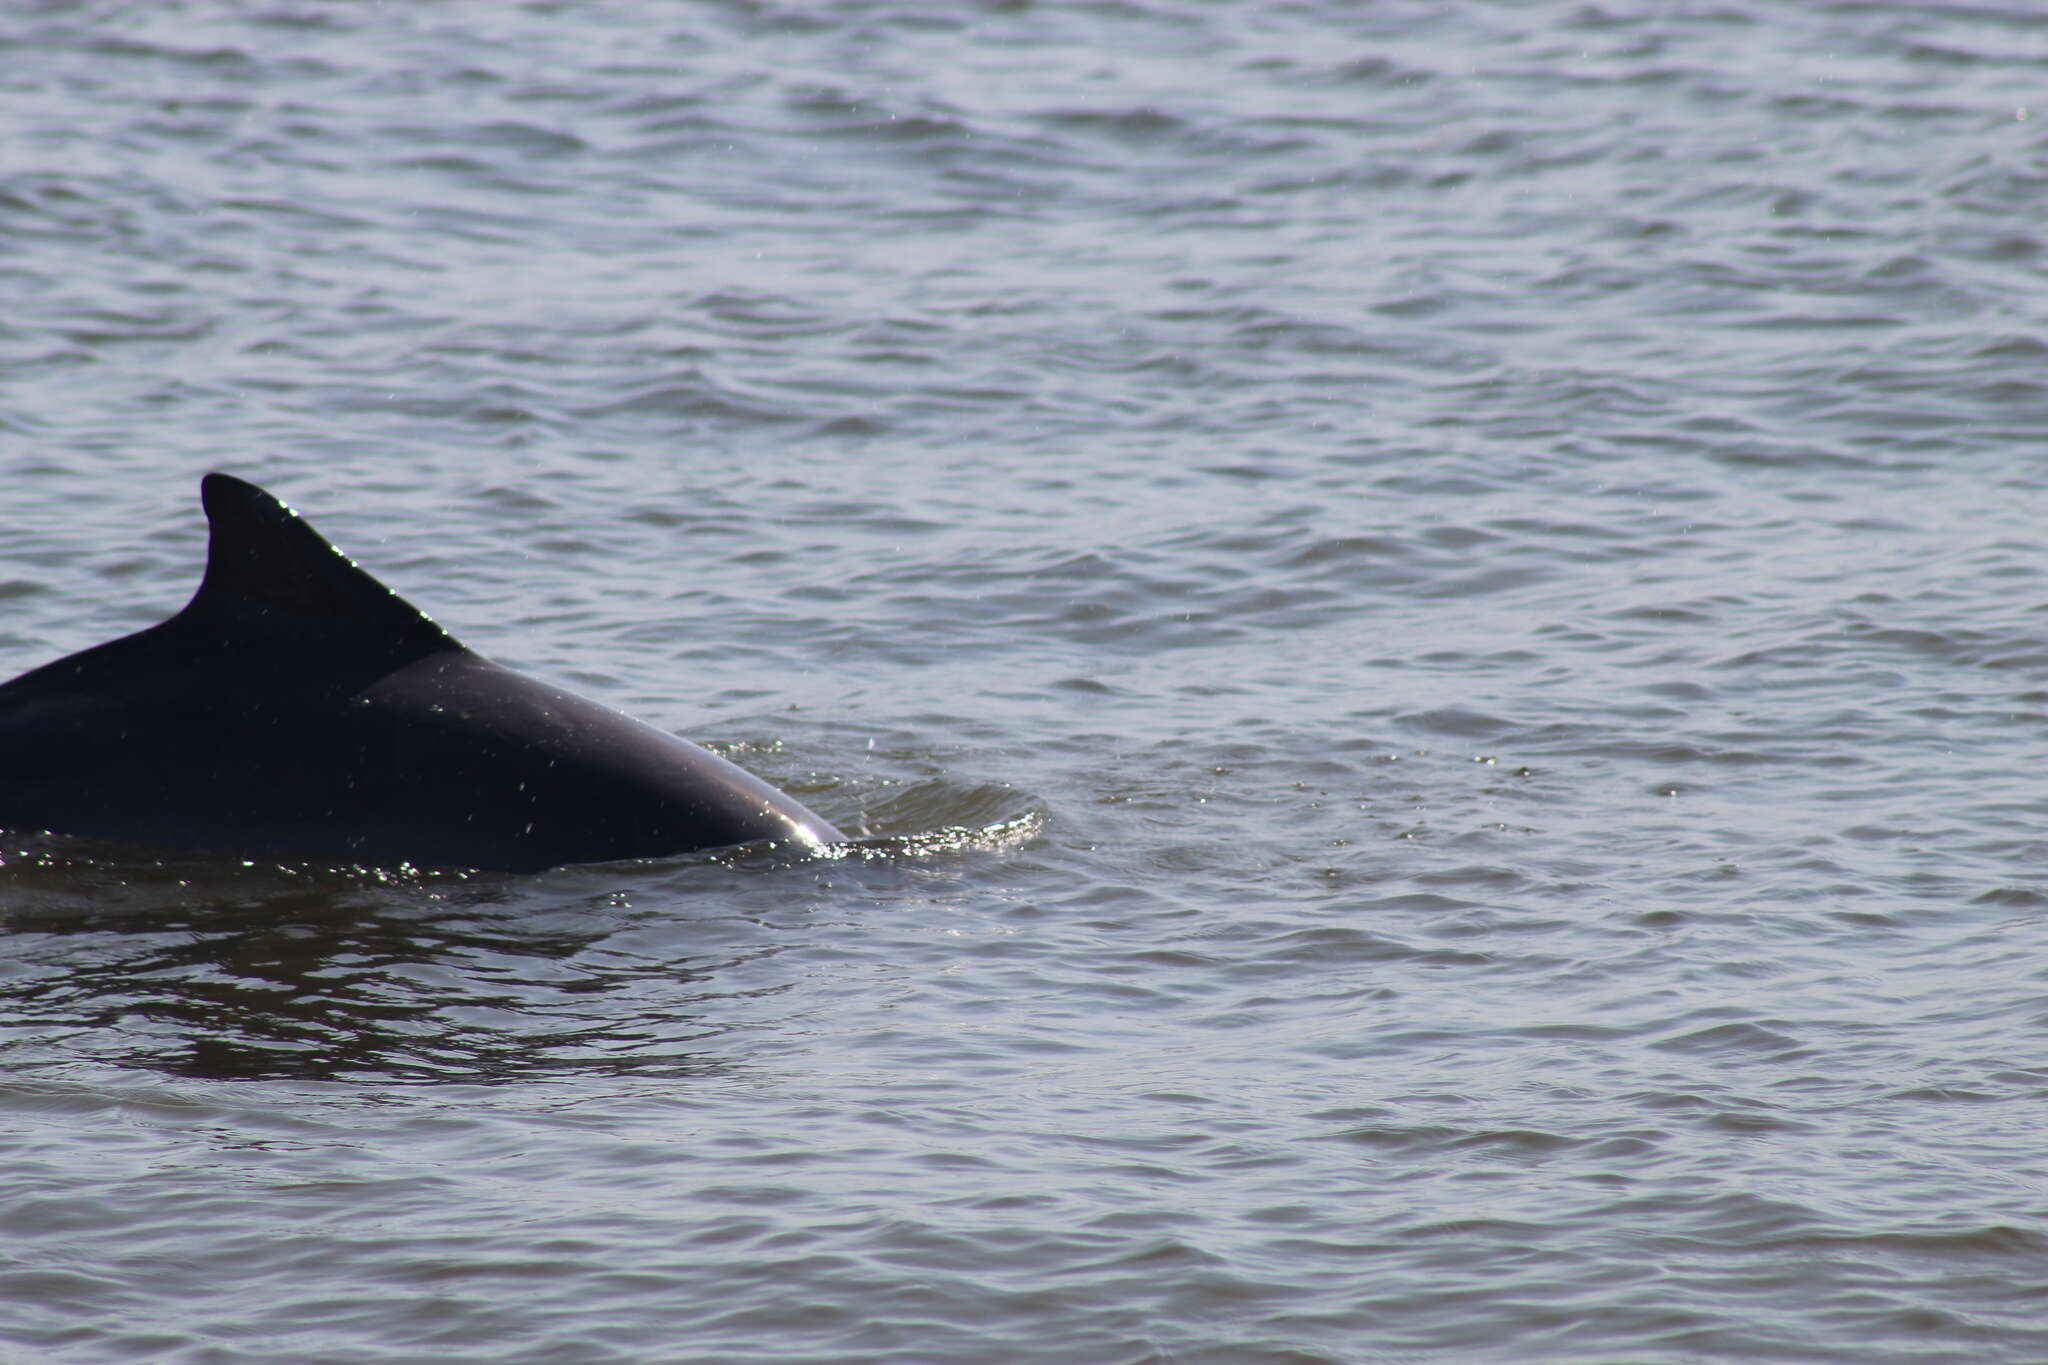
[272, 972]
[229, 970]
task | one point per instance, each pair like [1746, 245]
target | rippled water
[1434, 614]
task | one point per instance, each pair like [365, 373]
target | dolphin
[298, 707]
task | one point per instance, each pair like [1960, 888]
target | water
[1433, 613]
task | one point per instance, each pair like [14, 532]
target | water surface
[1433, 613]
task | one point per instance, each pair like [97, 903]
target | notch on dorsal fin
[268, 570]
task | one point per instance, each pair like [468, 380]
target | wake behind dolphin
[297, 706]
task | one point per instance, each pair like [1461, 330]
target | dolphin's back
[297, 706]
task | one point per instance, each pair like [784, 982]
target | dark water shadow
[229, 970]
[221, 968]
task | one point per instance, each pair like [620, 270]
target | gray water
[1432, 615]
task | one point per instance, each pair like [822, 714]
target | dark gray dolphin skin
[299, 707]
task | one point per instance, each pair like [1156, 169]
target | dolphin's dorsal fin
[268, 571]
